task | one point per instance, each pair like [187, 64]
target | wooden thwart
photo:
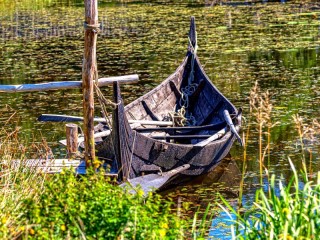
[65, 84]
[67, 118]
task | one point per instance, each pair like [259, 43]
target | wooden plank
[68, 118]
[122, 173]
[177, 137]
[96, 135]
[102, 82]
[215, 136]
[216, 126]
[53, 165]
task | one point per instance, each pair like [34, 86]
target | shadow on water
[274, 43]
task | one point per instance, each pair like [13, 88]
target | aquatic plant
[260, 114]
[283, 212]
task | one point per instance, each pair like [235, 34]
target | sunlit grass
[281, 210]
[289, 211]
[37, 205]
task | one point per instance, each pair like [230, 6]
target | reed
[308, 135]
[284, 212]
[16, 182]
[260, 114]
[200, 229]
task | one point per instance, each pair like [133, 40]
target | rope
[182, 117]
[94, 27]
[186, 92]
[105, 102]
[194, 53]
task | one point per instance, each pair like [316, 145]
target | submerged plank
[52, 165]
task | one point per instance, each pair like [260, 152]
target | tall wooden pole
[88, 75]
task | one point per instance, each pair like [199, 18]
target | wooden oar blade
[58, 118]
[152, 182]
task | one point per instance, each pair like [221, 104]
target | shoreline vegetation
[277, 53]
[60, 206]
[36, 205]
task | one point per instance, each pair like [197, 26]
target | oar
[153, 181]
[215, 136]
[232, 127]
[67, 118]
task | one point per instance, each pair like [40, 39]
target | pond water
[274, 43]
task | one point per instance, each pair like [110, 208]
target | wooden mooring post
[89, 74]
[89, 78]
[72, 139]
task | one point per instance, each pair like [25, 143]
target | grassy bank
[66, 206]
[34, 205]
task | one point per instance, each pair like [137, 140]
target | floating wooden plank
[52, 165]
[65, 84]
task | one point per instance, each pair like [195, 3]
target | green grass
[283, 212]
[65, 205]
[35, 205]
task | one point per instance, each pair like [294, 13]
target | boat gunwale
[162, 84]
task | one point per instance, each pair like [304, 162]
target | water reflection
[272, 43]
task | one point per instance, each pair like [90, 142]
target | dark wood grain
[89, 74]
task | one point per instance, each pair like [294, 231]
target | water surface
[274, 43]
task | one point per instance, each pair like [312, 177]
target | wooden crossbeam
[40, 87]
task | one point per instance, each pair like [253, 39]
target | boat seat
[150, 168]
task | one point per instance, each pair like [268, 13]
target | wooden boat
[202, 145]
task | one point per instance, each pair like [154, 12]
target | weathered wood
[89, 74]
[179, 137]
[122, 173]
[67, 118]
[81, 139]
[207, 106]
[152, 182]
[65, 84]
[52, 165]
[72, 139]
[212, 138]
[215, 126]
[148, 111]
[233, 129]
